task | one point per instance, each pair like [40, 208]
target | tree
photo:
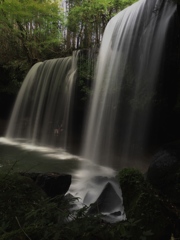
[87, 20]
[36, 30]
[30, 30]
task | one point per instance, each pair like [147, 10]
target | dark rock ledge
[52, 183]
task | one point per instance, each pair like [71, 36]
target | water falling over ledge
[132, 64]
[43, 110]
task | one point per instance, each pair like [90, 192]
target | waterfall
[131, 66]
[131, 62]
[42, 111]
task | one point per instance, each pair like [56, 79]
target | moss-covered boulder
[149, 209]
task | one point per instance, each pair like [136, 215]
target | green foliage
[27, 213]
[18, 195]
[29, 32]
[28, 28]
[32, 31]
[88, 19]
[143, 204]
[132, 184]
[86, 66]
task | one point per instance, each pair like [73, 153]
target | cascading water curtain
[41, 114]
[130, 65]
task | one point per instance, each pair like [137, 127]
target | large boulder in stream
[52, 183]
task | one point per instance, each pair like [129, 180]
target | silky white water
[130, 64]
[42, 112]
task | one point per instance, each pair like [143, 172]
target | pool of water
[20, 156]
[88, 179]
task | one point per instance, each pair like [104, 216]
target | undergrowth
[27, 213]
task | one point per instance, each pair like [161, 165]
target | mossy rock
[142, 203]
[132, 184]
